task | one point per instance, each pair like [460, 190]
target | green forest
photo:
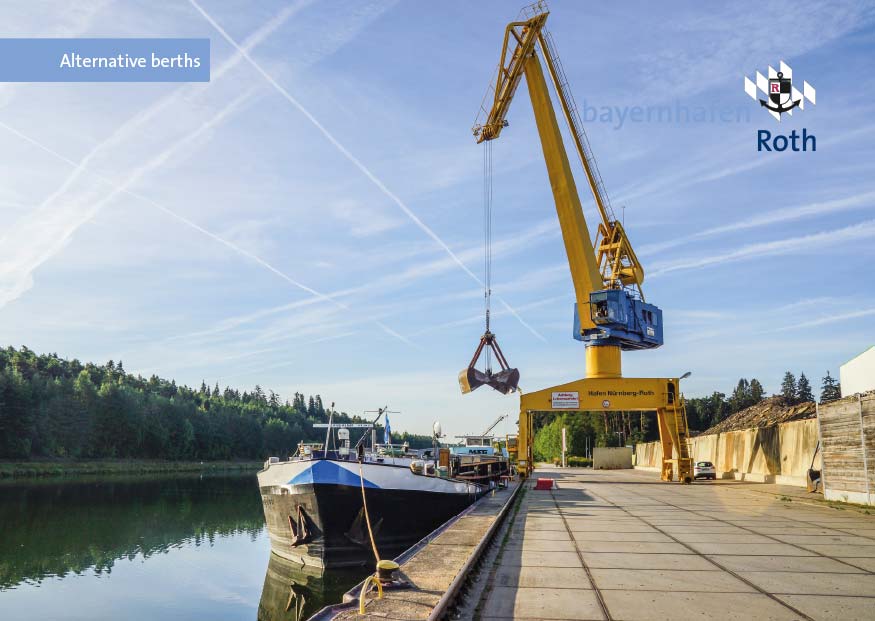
[56, 408]
[584, 430]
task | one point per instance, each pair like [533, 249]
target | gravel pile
[766, 413]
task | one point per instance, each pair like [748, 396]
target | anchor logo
[783, 97]
[780, 90]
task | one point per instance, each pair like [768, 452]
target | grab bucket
[505, 381]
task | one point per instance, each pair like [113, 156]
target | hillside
[56, 408]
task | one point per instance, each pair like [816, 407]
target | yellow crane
[611, 314]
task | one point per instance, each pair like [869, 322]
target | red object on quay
[544, 484]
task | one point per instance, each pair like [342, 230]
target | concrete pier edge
[499, 512]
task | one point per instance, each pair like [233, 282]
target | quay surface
[622, 545]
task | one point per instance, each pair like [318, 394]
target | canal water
[178, 547]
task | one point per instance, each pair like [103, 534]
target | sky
[312, 218]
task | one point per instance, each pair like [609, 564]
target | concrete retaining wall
[612, 458]
[778, 454]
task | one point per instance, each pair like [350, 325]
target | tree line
[56, 408]
[599, 429]
[585, 430]
[705, 412]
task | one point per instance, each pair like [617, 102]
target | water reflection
[145, 548]
[291, 593]
[54, 528]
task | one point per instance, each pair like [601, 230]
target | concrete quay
[436, 568]
[623, 545]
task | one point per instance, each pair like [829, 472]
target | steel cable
[487, 227]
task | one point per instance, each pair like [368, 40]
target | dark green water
[180, 547]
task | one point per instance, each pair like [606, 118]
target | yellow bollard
[386, 570]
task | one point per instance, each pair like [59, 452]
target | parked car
[704, 470]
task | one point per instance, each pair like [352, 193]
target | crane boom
[618, 264]
[510, 72]
[606, 312]
[493, 425]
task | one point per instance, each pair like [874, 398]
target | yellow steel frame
[581, 260]
[661, 395]
[616, 261]
[611, 264]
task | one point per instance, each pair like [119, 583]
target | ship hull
[314, 511]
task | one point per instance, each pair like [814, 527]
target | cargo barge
[313, 501]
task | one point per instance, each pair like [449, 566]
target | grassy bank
[118, 466]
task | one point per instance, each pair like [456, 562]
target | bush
[579, 462]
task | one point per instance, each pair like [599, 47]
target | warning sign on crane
[566, 400]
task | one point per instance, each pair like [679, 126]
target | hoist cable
[487, 226]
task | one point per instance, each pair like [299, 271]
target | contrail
[356, 162]
[475, 319]
[253, 257]
[146, 115]
[860, 230]
[390, 281]
[41, 234]
[868, 312]
[151, 112]
[124, 188]
[785, 214]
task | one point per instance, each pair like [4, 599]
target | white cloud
[363, 220]
[699, 49]
[129, 129]
[775, 216]
[816, 242]
[42, 233]
[358, 163]
[823, 321]
[390, 282]
[479, 318]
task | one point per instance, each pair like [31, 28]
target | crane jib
[610, 313]
[606, 273]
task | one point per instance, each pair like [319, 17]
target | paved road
[623, 545]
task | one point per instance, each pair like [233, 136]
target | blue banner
[104, 60]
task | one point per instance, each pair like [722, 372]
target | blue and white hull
[314, 514]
